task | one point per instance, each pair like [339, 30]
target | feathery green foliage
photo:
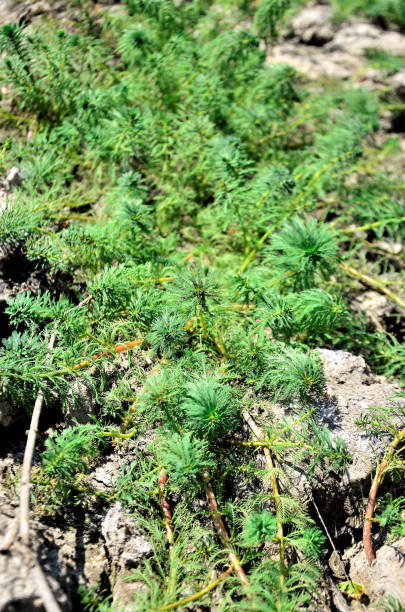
[210, 408]
[184, 458]
[303, 250]
[209, 205]
[291, 374]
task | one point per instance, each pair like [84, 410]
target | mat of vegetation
[187, 223]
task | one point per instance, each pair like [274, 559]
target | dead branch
[21, 524]
[27, 462]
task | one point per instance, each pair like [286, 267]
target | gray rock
[351, 389]
[315, 62]
[397, 82]
[14, 177]
[355, 36]
[373, 303]
[319, 48]
[19, 587]
[313, 24]
[386, 576]
[126, 546]
[68, 557]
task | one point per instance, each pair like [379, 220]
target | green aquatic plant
[217, 216]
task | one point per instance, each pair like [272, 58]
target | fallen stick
[24, 507]
[20, 524]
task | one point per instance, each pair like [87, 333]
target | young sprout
[293, 374]
[304, 250]
[184, 459]
[167, 333]
[259, 528]
[196, 291]
[210, 408]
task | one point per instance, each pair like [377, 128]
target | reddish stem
[368, 520]
[166, 507]
[222, 532]
[117, 349]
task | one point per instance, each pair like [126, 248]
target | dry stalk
[166, 508]
[21, 523]
[168, 522]
[27, 462]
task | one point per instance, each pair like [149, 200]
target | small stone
[386, 576]
[397, 82]
[14, 178]
[125, 543]
[80, 403]
[126, 546]
[313, 25]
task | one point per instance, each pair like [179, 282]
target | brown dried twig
[21, 524]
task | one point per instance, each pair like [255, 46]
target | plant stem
[260, 444]
[364, 228]
[88, 362]
[371, 282]
[204, 591]
[274, 484]
[118, 434]
[368, 546]
[168, 522]
[221, 530]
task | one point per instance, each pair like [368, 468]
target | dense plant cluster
[202, 199]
